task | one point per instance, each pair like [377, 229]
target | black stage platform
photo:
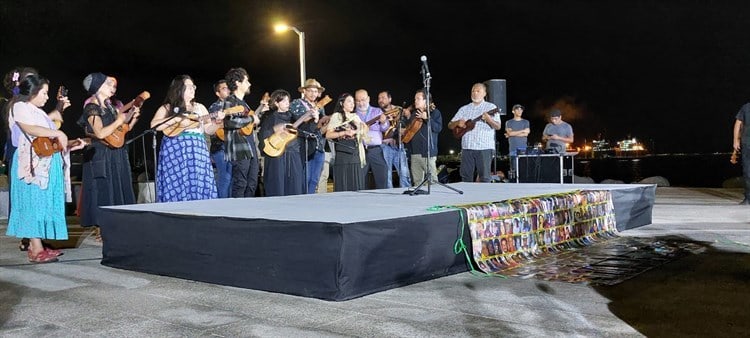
[334, 246]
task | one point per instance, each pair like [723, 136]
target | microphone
[424, 66]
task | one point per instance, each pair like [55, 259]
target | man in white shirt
[478, 143]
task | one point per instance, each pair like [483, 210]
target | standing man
[558, 133]
[313, 159]
[478, 144]
[240, 149]
[420, 162]
[517, 132]
[742, 141]
[223, 167]
[374, 139]
[393, 149]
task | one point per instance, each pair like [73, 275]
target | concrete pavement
[702, 294]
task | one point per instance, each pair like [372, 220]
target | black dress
[106, 171]
[282, 175]
[347, 168]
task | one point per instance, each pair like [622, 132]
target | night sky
[672, 73]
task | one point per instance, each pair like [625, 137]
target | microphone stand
[426, 78]
[307, 135]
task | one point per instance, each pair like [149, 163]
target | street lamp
[280, 28]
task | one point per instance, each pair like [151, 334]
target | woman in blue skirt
[184, 171]
[38, 192]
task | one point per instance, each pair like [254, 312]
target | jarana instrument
[459, 132]
[277, 142]
[196, 119]
[117, 138]
[414, 125]
[45, 146]
[247, 130]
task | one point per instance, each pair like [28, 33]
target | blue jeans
[314, 167]
[395, 157]
[223, 174]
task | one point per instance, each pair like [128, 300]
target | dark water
[689, 170]
[682, 170]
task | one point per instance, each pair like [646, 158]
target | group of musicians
[293, 139]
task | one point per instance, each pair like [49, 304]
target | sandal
[97, 233]
[25, 243]
[53, 252]
[42, 257]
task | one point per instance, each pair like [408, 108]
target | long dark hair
[176, 93]
[28, 87]
[340, 104]
[10, 85]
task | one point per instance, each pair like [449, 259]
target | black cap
[554, 113]
[93, 82]
[517, 106]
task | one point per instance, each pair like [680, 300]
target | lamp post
[279, 28]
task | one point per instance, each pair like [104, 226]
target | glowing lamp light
[281, 27]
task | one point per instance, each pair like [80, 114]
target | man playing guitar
[478, 143]
[314, 156]
[241, 150]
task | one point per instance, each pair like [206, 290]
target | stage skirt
[36, 212]
[184, 172]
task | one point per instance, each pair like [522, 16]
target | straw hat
[311, 83]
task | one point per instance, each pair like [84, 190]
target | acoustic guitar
[275, 144]
[389, 114]
[117, 138]
[414, 126]
[734, 159]
[459, 132]
[176, 129]
[241, 111]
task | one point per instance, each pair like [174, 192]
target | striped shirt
[482, 137]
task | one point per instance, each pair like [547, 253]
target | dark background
[671, 73]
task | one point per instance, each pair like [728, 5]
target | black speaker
[542, 169]
[496, 94]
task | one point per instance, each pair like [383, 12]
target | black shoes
[746, 201]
